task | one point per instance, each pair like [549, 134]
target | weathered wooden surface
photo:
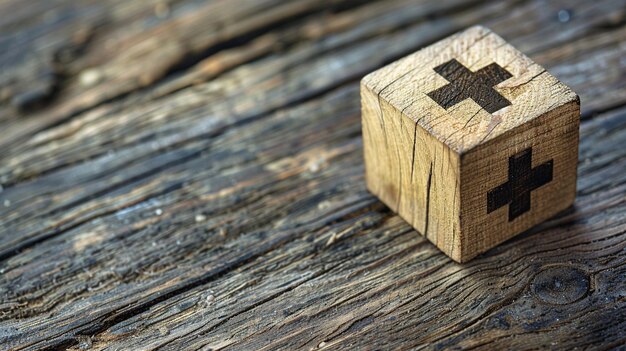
[190, 176]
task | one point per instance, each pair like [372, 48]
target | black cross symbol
[522, 180]
[466, 84]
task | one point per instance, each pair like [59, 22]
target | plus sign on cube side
[470, 141]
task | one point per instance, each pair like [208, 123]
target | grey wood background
[188, 175]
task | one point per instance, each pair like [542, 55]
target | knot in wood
[560, 285]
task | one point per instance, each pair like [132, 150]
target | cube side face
[412, 172]
[520, 179]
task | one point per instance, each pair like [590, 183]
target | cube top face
[469, 88]
[470, 141]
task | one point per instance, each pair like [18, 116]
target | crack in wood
[428, 188]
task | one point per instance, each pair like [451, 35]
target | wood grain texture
[553, 140]
[224, 205]
[470, 103]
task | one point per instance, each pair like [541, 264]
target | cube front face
[470, 141]
[519, 180]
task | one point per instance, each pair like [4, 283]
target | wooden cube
[470, 141]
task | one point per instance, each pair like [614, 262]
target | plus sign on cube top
[470, 141]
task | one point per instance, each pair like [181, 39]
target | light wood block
[470, 141]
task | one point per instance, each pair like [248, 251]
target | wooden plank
[387, 286]
[309, 286]
[199, 113]
[571, 69]
[247, 222]
[144, 52]
[541, 248]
